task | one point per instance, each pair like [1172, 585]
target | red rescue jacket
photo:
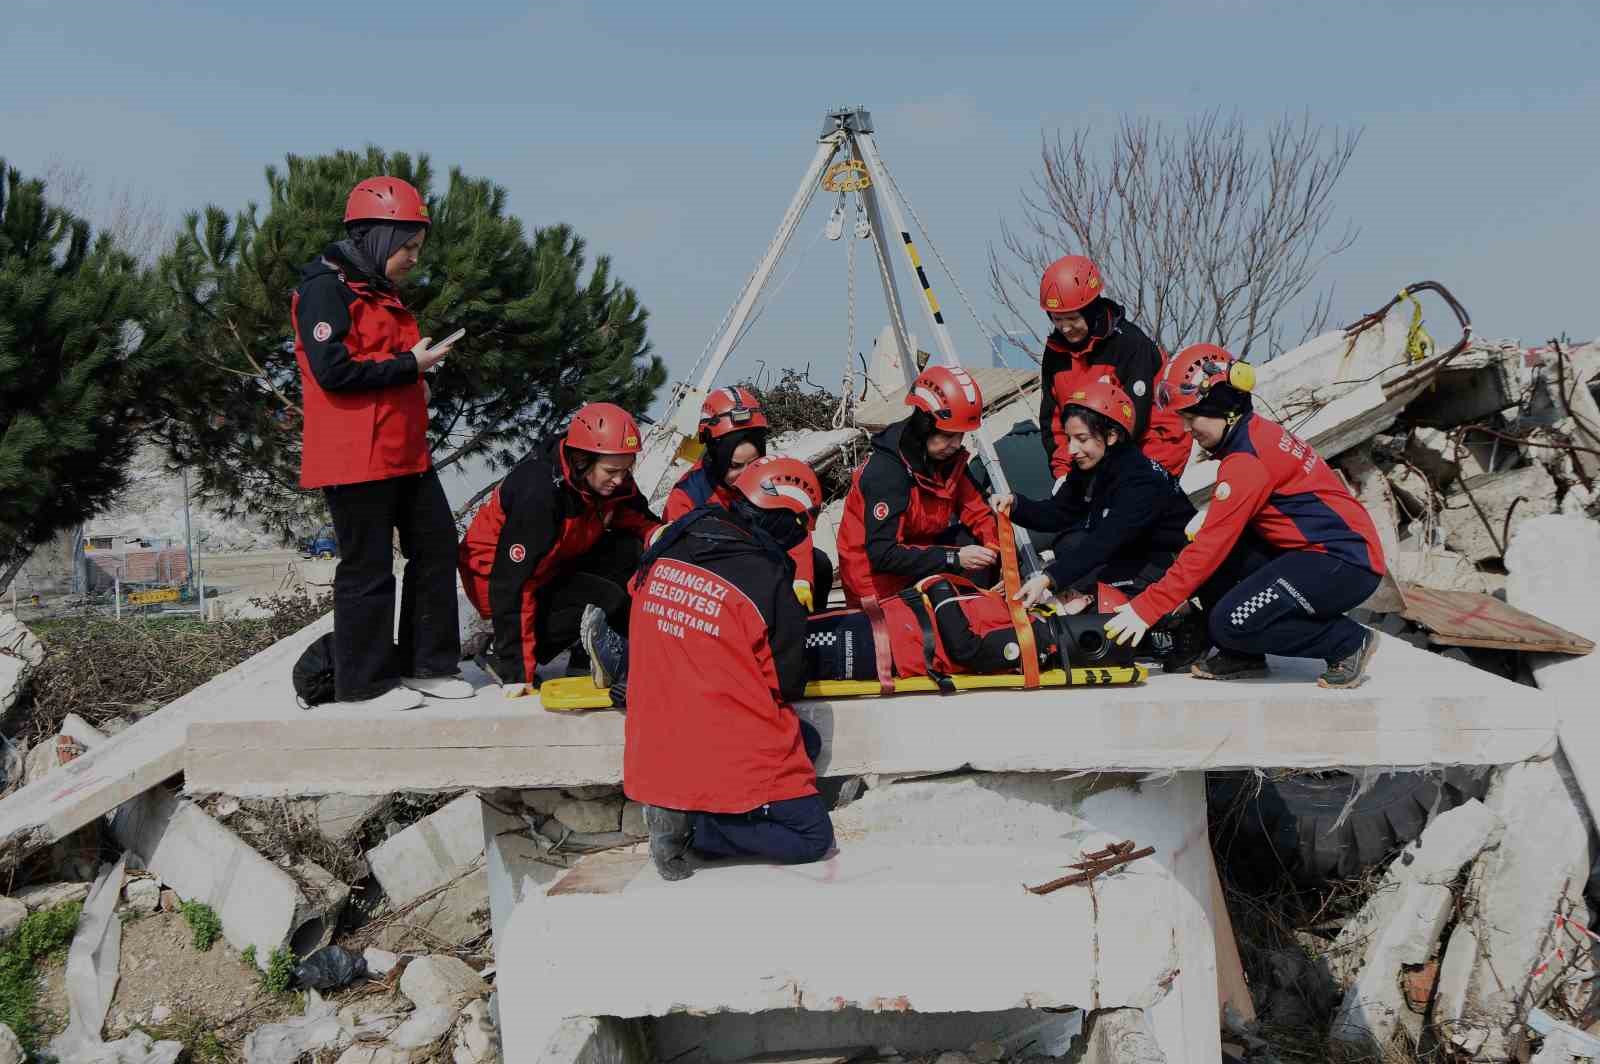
[715, 655]
[366, 417]
[534, 528]
[694, 489]
[1273, 483]
[899, 519]
[1119, 349]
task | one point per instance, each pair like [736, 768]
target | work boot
[670, 831]
[393, 700]
[607, 649]
[439, 686]
[1227, 665]
[1188, 642]
[1351, 670]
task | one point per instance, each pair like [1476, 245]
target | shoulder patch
[517, 553]
[321, 331]
[880, 512]
[1224, 489]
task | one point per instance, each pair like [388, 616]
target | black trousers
[600, 578]
[1292, 603]
[822, 581]
[366, 516]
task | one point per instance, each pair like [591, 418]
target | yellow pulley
[848, 175]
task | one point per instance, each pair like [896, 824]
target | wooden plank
[1471, 619]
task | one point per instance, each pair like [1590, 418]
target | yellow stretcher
[579, 692]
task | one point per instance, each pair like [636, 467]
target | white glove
[518, 690]
[1035, 589]
[1126, 627]
[1062, 479]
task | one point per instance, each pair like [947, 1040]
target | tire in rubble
[1263, 828]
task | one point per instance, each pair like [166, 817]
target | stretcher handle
[1011, 579]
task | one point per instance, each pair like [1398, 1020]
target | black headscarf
[719, 454]
[1099, 316]
[371, 243]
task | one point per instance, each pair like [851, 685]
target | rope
[943, 265]
[848, 386]
[772, 295]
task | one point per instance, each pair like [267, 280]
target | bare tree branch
[1205, 234]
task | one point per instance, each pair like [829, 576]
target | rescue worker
[1121, 518]
[1285, 549]
[733, 429]
[913, 509]
[564, 529]
[712, 746]
[1090, 335]
[365, 444]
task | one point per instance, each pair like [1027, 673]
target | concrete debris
[1487, 981]
[424, 1027]
[338, 817]
[593, 816]
[477, 1041]
[259, 903]
[441, 979]
[49, 895]
[430, 853]
[142, 895]
[380, 962]
[1475, 517]
[20, 652]
[633, 819]
[10, 1046]
[12, 913]
[1118, 1036]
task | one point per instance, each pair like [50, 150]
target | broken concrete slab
[260, 904]
[1475, 517]
[149, 752]
[448, 918]
[1372, 1009]
[1141, 938]
[596, 1040]
[20, 652]
[1487, 981]
[1417, 709]
[49, 895]
[441, 980]
[338, 817]
[430, 853]
[1118, 1036]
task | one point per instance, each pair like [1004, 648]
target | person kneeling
[712, 747]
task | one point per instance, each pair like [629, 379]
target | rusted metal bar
[1096, 864]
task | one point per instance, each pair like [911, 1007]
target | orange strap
[1012, 579]
[882, 652]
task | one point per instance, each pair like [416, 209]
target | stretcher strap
[882, 653]
[1012, 579]
[919, 609]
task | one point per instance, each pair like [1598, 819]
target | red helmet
[603, 428]
[730, 410]
[951, 395]
[385, 199]
[1069, 284]
[778, 483]
[1103, 397]
[1194, 371]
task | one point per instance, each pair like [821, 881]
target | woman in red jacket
[1285, 548]
[733, 430]
[562, 531]
[913, 509]
[365, 445]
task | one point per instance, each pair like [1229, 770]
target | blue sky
[671, 135]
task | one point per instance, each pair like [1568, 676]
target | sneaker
[1226, 665]
[439, 686]
[607, 650]
[394, 699]
[670, 830]
[1351, 670]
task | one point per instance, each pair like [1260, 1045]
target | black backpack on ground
[313, 673]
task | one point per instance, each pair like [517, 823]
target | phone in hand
[450, 340]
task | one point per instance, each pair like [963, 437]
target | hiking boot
[1226, 665]
[607, 650]
[1189, 642]
[394, 699]
[1351, 670]
[670, 831]
[439, 686]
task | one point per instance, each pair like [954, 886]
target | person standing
[365, 444]
[1090, 339]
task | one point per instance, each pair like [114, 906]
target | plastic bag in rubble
[287, 1042]
[91, 980]
[330, 968]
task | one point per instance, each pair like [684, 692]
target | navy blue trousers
[1290, 603]
[794, 831]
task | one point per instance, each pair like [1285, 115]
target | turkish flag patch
[518, 552]
[321, 332]
[880, 512]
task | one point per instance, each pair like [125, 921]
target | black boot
[1187, 641]
[669, 841]
[1226, 665]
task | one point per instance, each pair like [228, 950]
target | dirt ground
[160, 966]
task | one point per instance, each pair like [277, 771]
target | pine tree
[542, 338]
[85, 354]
